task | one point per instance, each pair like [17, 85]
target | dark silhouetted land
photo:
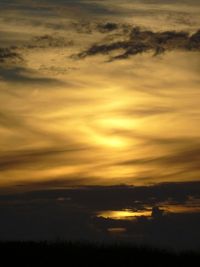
[86, 254]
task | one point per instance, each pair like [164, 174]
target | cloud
[147, 111]
[180, 160]
[9, 54]
[10, 121]
[116, 197]
[195, 41]
[140, 41]
[24, 158]
[107, 27]
[48, 41]
[185, 156]
[22, 75]
[88, 27]
[71, 214]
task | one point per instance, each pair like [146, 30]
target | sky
[99, 121]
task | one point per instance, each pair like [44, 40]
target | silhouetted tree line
[88, 254]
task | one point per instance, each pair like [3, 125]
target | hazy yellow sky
[71, 121]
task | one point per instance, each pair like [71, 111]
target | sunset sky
[100, 120]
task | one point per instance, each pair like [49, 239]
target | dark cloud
[13, 65]
[177, 231]
[186, 157]
[19, 75]
[195, 41]
[71, 214]
[9, 54]
[181, 161]
[24, 158]
[58, 182]
[97, 198]
[88, 27]
[45, 41]
[107, 27]
[140, 41]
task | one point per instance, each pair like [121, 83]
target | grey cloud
[90, 27]
[58, 182]
[117, 197]
[183, 156]
[140, 41]
[17, 159]
[195, 41]
[45, 41]
[146, 111]
[9, 54]
[16, 74]
[181, 160]
[107, 27]
[190, 155]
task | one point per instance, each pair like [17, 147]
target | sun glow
[104, 128]
[110, 141]
[101, 138]
[117, 123]
[126, 214]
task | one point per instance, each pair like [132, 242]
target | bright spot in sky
[110, 141]
[126, 214]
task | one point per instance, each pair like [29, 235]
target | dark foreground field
[82, 254]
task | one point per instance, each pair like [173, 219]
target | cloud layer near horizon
[71, 214]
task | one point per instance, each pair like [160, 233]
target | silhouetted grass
[88, 254]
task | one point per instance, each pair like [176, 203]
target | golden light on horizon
[185, 208]
[126, 214]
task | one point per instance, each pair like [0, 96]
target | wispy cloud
[140, 41]
[23, 75]
[9, 54]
